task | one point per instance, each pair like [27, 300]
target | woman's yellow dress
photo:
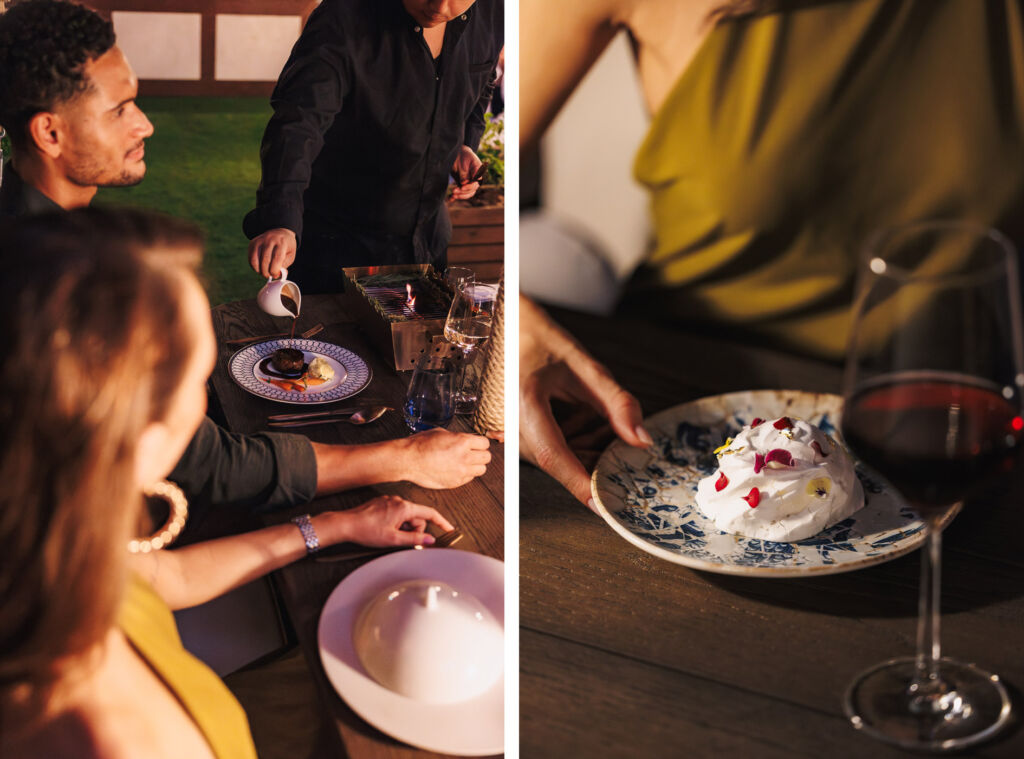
[793, 136]
[149, 625]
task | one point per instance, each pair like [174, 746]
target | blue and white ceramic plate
[649, 496]
[351, 374]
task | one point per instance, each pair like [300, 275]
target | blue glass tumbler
[430, 402]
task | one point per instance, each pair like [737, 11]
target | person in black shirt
[380, 101]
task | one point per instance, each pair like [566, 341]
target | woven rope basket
[490, 411]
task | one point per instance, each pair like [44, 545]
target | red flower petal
[758, 462]
[757, 420]
[753, 497]
[817, 449]
[722, 482]
[779, 457]
[783, 423]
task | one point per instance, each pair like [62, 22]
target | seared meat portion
[288, 360]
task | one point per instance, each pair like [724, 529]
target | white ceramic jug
[269, 298]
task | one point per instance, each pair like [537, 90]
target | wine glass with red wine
[933, 391]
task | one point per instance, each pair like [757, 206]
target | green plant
[492, 150]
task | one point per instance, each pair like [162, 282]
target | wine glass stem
[460, 380]
[927, 690]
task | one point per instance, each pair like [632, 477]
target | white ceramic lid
[426, 640]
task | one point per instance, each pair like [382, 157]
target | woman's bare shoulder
[559, 42]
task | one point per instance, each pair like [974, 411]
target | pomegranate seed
[783, 424]
[758, 462]
[722, 482]
[757, 420]
[753, 497]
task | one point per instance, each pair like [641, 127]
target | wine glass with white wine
[468, 326]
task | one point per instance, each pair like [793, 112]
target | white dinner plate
[648, 496]
[474, 727]
[351, 374]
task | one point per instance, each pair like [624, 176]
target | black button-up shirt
[20, 199]
[367, 125]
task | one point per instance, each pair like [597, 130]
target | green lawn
[203, 164]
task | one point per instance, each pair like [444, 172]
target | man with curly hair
[67, 101]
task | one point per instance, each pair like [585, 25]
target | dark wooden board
[462, 213]
[477, 234]
[597, 704]
[485, 252]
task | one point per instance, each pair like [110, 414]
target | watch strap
[305, 526]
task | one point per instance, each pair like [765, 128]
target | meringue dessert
[781, 480]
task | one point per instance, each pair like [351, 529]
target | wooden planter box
[478, 238]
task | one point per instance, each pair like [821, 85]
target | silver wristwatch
[308, 533]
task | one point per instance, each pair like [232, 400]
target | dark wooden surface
[478, 234]
[625, 655]
[476, 508]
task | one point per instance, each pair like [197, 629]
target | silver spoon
[358, 418]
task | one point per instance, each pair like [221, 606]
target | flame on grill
[410, 299]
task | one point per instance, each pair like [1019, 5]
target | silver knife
[307, 422]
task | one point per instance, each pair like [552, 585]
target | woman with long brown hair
[105, 347]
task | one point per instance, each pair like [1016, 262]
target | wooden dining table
[477, 508]
[623, 654]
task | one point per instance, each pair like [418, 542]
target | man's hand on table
[387, 520]
[439, 459]
[553, 366]
[272, 251]
[466, 166]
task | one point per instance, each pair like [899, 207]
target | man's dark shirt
[253, 473]
[20, 199]
[367, 125]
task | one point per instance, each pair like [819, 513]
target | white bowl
[430, 642]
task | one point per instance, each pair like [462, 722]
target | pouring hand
[272, 251]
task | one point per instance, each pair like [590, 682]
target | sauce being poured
[291, 305]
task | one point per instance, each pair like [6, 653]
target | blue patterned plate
[648, 496]
[351, 374]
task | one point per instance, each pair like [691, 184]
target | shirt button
[416, 29]
[464, 16]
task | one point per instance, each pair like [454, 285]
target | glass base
[966, 707]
